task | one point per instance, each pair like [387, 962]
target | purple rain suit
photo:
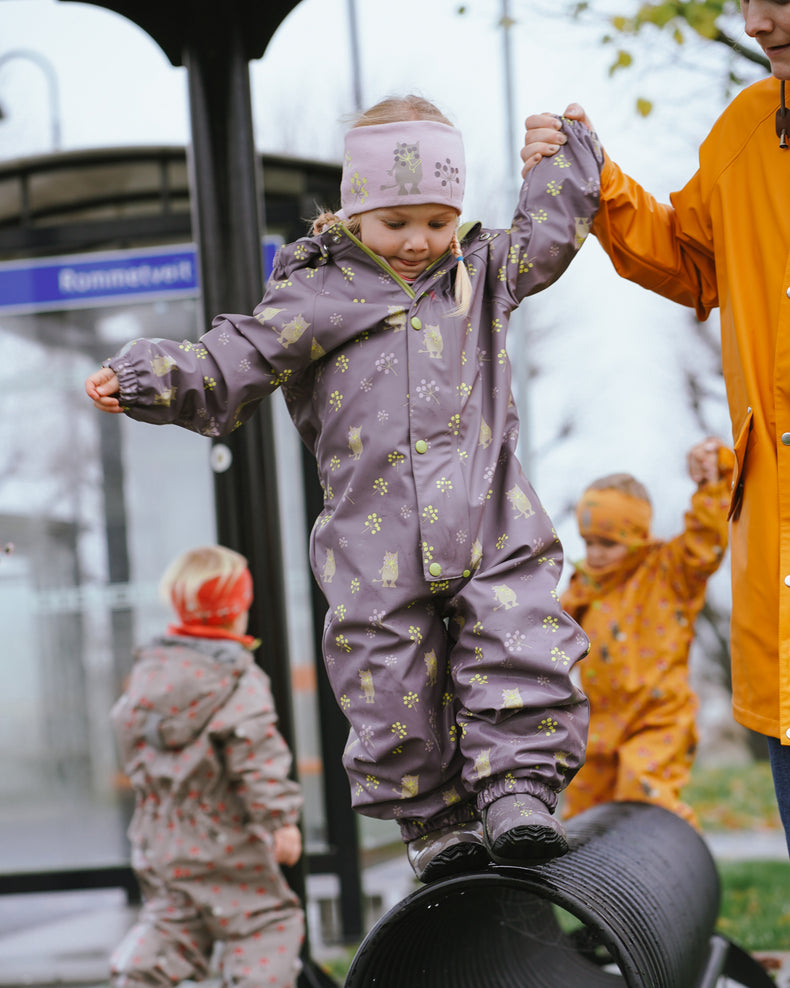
[444, 641]
[198, 739]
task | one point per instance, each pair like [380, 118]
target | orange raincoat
[725, 241]
[639, 615]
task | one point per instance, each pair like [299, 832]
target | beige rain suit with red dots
[197, 733]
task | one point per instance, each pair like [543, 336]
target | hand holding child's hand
[287, 844]
[101, 388]
[544, 136]
[703, 461]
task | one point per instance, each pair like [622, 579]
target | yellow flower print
[557, 655]
[554, 188]
[380, 486]
[550, 624]
[478, 680]
[411, 700]
[548, 726]
[335, 400]
[342, 642]
[430, 514]
[373, 523]
[209, 383]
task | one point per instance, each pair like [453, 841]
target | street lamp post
[52, 85]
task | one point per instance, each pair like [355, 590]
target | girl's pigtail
[463, 283]
[323, 222]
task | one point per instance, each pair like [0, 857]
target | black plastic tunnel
[634, 902]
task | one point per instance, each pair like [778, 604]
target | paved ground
[64, 939]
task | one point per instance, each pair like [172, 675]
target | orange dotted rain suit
[640, 621]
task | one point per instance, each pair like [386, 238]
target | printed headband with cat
[402, 164]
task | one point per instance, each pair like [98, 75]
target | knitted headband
[402, 164]
[216, 603]
[612, 514]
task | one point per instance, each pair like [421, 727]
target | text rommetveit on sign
[81, 280]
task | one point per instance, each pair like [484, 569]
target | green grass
[755, 906]
[737, 798]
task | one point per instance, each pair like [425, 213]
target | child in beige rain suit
[216, 811]
[444, 641]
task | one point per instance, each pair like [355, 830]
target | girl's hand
[287, 844]
[703, 461]
[100, 388]
[543, 136]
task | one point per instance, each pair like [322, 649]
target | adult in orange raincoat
[637, 599]
[725, 241]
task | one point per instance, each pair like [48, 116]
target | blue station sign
[76, 281]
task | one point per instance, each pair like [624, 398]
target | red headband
[215, 603]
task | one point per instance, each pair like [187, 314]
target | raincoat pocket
[740, 449]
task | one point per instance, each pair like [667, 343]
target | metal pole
[356, 71]
[518, 321]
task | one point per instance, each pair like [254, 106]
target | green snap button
[416, 322]
[466, 574]
[435, 569]
[421, 446]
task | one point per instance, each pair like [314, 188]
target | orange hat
[216, 602]
[615, 515]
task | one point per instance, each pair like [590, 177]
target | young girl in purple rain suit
[445, 642]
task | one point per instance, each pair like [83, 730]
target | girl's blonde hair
[394, 109]
[623, 482]
[185, 576]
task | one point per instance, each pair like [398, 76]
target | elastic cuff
[510, 787]
[459, 813]
[128, 382]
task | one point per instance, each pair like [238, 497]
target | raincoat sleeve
[665, 248]
[257, 759]
[214, 385]
[695, 555]
[557, 202]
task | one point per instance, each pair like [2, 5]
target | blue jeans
[780, 768]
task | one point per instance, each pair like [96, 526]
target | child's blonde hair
[394, 109]
[623, 482]
[185, 576]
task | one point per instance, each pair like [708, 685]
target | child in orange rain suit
[216, 811]
[637, 598]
